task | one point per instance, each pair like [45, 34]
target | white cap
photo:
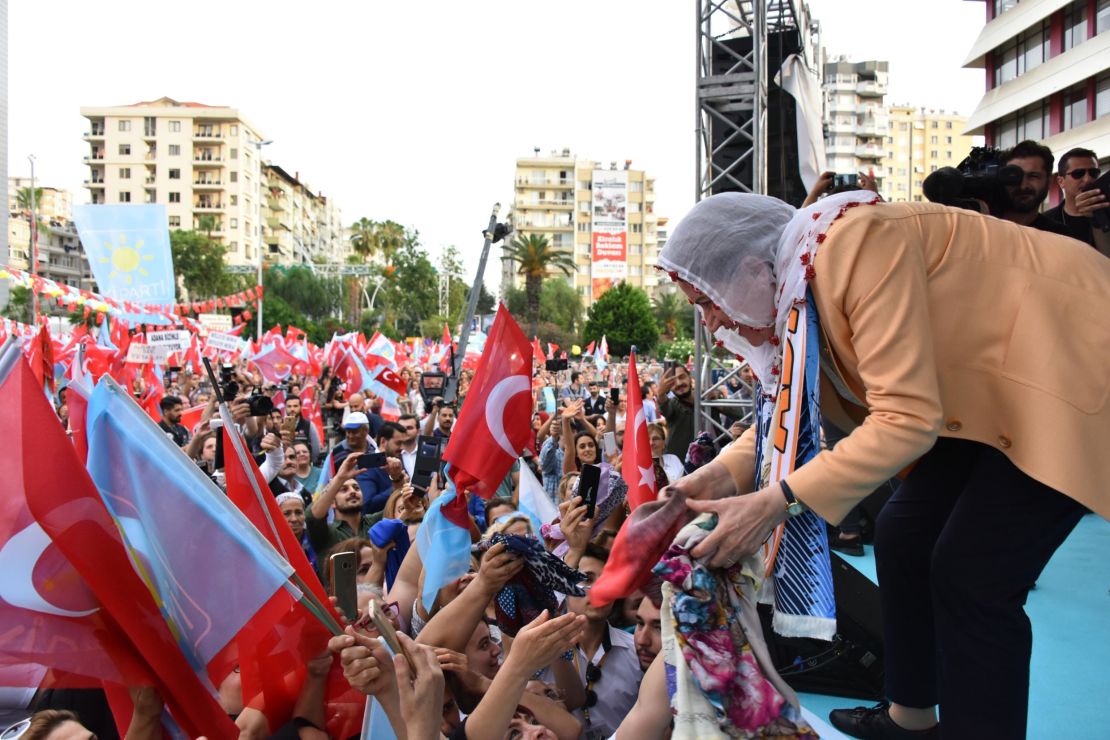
[355, 419]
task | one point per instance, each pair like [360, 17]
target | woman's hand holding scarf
[743, 525]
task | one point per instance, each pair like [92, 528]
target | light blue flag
[207, 567]
[444, 548]
[534, 501]
[128, 247]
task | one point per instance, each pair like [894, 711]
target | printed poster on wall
[609, 250]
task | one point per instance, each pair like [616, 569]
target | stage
[1070, 612]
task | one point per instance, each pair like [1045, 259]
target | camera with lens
[432, 385]
[260, 404]
[980, 177]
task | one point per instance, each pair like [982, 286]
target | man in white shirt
[411, 425]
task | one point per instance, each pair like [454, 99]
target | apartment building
[199, 160]
[918, 142]
[603, 214]
[855, 117]
[51, 203]
[1046, 66]
[300, 226]
[61, 256]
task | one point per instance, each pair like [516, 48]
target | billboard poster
[609, 247]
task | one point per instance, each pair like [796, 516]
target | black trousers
[957, 549]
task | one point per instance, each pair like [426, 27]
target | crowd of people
[515, 648]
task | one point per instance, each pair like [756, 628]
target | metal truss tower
[731, 132]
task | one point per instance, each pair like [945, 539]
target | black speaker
[852, 664]
[783, 180]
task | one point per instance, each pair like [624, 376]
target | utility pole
[34, 245]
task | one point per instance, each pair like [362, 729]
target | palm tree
[369, 238]
[208, 224]
[23, 198]
[536, 258]
[668, 311]
[362, 238]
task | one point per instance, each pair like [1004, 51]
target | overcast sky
[416, 111]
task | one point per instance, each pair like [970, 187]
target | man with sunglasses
[1078, 168]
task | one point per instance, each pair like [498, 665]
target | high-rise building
[199, 160]
[300, 225]
[61, 256]
[1047, 71]
[855, 119]
[918, 142]
[601, 214]
[51, 203]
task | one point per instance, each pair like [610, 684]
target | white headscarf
[752, 255]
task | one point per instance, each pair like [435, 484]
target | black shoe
[853, 546]
[874, 723]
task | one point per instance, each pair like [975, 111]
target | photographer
[441, 420]
[1022, 202]
[1077, 170]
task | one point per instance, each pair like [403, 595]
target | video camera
[260, 403]
[432, 385]
[980, 177]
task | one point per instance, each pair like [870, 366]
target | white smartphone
[609, 443]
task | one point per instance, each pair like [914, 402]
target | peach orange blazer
[945, 322]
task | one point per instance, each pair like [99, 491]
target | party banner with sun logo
[128, 247]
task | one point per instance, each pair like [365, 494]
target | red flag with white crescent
[496, 420]
[636, 464]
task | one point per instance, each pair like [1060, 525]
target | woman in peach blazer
[971, 351]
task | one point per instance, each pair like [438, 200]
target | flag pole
[308, 599]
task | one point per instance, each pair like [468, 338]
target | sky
[417, 111]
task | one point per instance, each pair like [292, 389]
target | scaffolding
[731, 137]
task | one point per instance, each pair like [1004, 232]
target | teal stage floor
[1070, 612]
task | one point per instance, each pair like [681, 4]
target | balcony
[873, 129]
[840, 149]
[96, 133]
[148, 135]
[869, 151]
[149, 181]
[94, 183]
[870, 89]
[98, 157]
[528, 182]
[209, 161]
[275, 204]
[213, 136]
[209, 184]
[208, 206]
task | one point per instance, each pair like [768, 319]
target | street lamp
[258, 220]
[34, 244]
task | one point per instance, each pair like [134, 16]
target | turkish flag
[390, 379]
[636, 465]
[496, 419]
[69, 559]
[273, 651]
[537, 350]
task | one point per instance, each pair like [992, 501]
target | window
[933, 140]
[637, 228]
[584, 226]
[904, 126]
[948, 124]
[175, 222]
[1001, 6]
[890, 140]
[175, 150]
[635, 187]
[234, 153]
[151, 196]
[1102, 95]
[932, 168]
[234, 130]
[1075, 24]
[175, 174]
[150, 126]
[1102, 16]
[933, 153]
[175, 128]
[1075, 106]
[947, 139]
[235, 223]
[1025, 52]
[175, 197]
[935, 124]
[234, 177]
[234, 200]
[948, 153]
[124, 197]
[125, 150]
[125, 173]
[125, 125]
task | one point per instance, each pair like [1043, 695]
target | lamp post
[34, 244]
[258, 148]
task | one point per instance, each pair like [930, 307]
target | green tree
[370, 238]
[208, 223]
[559, 305]
[200, 263]
[536, 259]
[623, 315]
[674, 314]
[23, 198]
[410, 293]
[305, 292]
[19, 305]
